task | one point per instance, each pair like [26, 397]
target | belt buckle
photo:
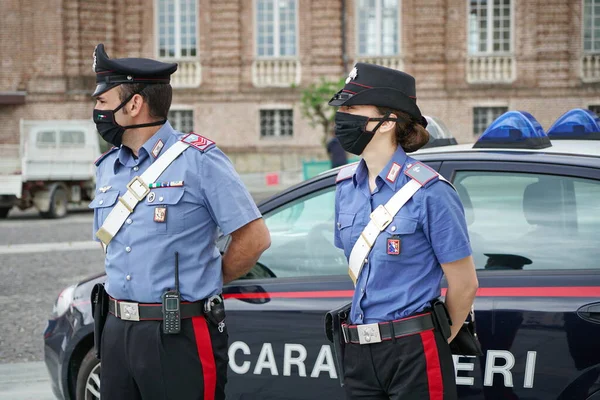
[368, 333]
[381, 217]
[138, 188]
[129, 311]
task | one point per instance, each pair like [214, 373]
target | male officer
[160, 199]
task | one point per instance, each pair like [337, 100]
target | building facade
[243, 63]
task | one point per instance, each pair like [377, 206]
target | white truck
[52, 166]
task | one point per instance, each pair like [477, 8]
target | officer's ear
[389, 125]
[135, 105]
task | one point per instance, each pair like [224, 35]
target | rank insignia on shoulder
[421, 173]
[197, 141]
[346, 172]
[393, 246]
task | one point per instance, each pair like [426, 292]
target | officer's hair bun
[410, 135]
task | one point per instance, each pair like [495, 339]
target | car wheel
[88, 378]
[58, 204]
[4, 212]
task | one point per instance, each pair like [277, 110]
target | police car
[532, 202]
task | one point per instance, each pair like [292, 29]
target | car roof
[588, 148]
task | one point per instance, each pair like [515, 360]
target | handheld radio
[171, 305]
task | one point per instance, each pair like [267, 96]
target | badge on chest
[160, 214]
[393, 245]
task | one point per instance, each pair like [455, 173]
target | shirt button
[101, 202]
[128, 249]
[128, 277]
[339, 225]
[362, 290]
[393, 228]
[129, 221]
[366, 260]
[136, 168]
[360, 316]
[161, 198]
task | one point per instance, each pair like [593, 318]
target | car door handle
[590, 312]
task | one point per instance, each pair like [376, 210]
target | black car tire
[4, 212]
[88, 378]
[58, 204]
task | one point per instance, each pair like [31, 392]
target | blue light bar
[577, 124]
[439, 134]
[514, 129]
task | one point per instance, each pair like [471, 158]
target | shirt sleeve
[227, 199]
[337, 241]
[95, 225]
[444, 223]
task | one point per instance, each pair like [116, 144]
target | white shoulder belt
[137, 190]
[383, 215]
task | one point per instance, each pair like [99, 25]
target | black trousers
[415, 367]
[140, 362]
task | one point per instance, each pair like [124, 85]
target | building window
[177, 25]
[490, 26]
[276, 28]
[484, 116]
[276, 123]
[595, 108]
[591, 26]
[378, 27]
[182, 120]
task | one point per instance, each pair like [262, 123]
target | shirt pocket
[103, 204]
[164, 205]
[396, 238]
[344, 226]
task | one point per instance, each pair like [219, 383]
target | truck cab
[50, 167]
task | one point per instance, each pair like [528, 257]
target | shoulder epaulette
[104, 155]
[421, 173]
[199, 142]
[346, 172]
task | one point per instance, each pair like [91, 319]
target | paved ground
[25, 381]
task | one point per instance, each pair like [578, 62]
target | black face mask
[109, 129]
[351, 131]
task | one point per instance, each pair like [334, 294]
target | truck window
[526, 221]
[46, 139]
[72, 139]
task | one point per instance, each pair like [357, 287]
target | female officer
[397, 258]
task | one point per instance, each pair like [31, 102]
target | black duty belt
[130, 311]
[378, 332]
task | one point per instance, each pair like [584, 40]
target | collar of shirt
[125, 155]
[389, 174]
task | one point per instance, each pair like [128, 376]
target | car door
[534, 231]
[278, 348]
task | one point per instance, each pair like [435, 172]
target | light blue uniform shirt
[140, 260]
[431, 228]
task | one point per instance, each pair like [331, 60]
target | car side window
[302, 239]
[531, 221]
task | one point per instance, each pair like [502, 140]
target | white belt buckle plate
[368, 334]
[129, 311]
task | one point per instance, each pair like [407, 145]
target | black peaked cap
[371, 84]
[113, 72]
